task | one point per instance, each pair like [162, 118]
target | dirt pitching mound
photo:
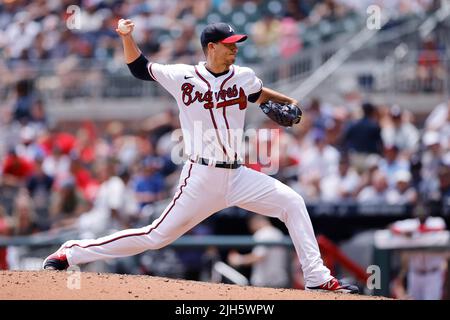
[57, 285]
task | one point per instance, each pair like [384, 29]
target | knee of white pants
[295, 205]
[158, 242]
[159, 245]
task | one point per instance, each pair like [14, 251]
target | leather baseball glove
[284, 114]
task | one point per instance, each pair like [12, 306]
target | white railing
[414, 73]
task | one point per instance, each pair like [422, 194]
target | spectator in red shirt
[65, 142]
[84, 146]
[16, 169]
[83, 177]
[430, 70]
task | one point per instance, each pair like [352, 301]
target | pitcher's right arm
[133, 56]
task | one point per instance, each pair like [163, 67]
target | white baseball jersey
[217, 105]
[212, 109]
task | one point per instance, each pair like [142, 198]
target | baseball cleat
[56, 261]
[334, 285]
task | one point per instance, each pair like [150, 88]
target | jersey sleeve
[252, 84]
[168, 75]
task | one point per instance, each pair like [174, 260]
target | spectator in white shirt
[28, 147]
[376, 192]
[392, 163]
[57, 164]
[340, 186]
[431, 160]
[270, 263]
[316, 163]
[439, 117]
[400, 132]
[403, 193]
[23, 28]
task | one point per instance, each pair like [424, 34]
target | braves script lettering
[229, 97]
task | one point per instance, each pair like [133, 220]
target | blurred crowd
[89, 177]
[372, 154]
[61, 37]
[166, 29]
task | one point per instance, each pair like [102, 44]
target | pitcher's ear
[211, 45]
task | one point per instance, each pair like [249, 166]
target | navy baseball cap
[220, 32]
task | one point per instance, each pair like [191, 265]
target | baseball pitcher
[212, 98]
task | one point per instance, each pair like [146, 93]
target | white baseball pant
[202, 191]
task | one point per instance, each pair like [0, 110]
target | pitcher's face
[224, 52]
